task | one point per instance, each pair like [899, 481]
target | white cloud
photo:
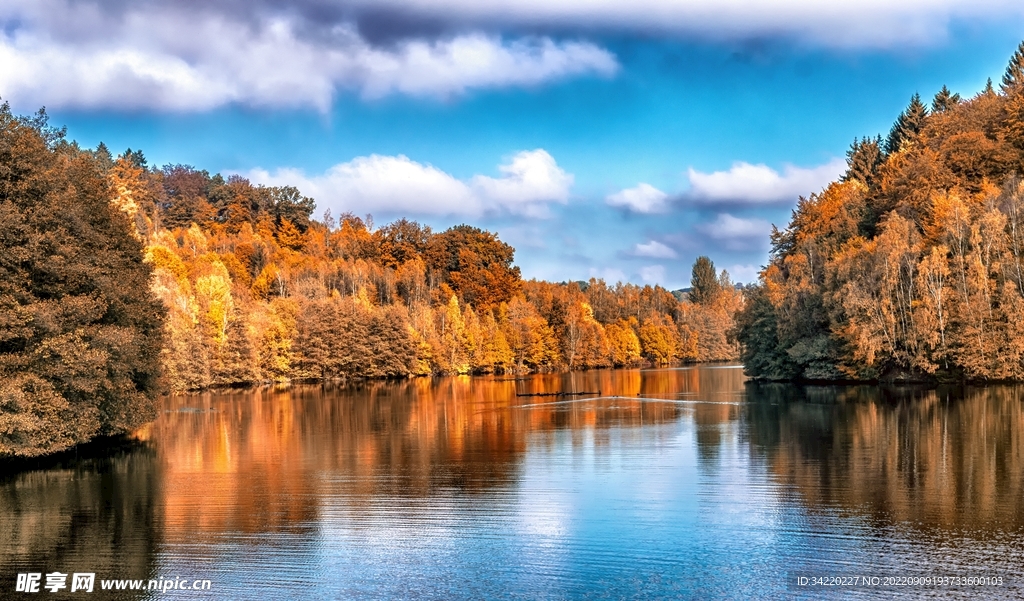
[652, 274]
[735, 233]
[452, 66]
[398, 185]
[186, 56]
[746, 183]
[380, 183]
[654, 250]
[527, 184]
[160, 56]
[644, 198]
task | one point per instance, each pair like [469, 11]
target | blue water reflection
[682, 483]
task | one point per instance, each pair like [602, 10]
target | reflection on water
[92, 514]
[669, 483]
[948, 458]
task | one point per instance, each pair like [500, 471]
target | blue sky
[601, 139]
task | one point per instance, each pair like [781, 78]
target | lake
[673, 483]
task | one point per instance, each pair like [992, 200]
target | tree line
[911, 265]
[120, 281]
[258, 290]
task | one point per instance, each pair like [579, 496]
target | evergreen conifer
[944, 100]
[1014, 75]
[907, 125]
[863, 160]
[704, 283]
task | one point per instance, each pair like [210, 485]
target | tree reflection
[950, 458]
[95, 512]
[268, 460]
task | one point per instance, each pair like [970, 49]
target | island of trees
[911, 266]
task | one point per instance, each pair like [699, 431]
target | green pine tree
[908, 125]
[863, 160]
[1014, 75]
[135, 157]
[944, 100]
[704, 283]
[763, 354]
[103, 157]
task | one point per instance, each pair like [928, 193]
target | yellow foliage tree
[658, 341]
[623, 344]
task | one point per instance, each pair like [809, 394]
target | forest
[120, 281]
[80, 330]
[911, 266]
[258, 290]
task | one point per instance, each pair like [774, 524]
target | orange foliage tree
[909, 267]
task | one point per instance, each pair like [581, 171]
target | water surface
[671, 483]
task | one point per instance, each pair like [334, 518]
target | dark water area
[686, 483]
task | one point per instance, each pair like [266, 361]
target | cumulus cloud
[644, 198]
[170, 56]
[736, 233]
[529, 183]
[654, 250]
[746, 183]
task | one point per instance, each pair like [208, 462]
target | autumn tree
[494, 352]
[185, 196]
[81, 333]
[452, 350]
[476, 265]
[584, 343]
[874, 287]
[391, 347]
[401, 241]
[235, 202]
[659, 341]
[704, 330]
[529, 336]
[134, 192]
[287, 204]
[917, 275]
[623, 344]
